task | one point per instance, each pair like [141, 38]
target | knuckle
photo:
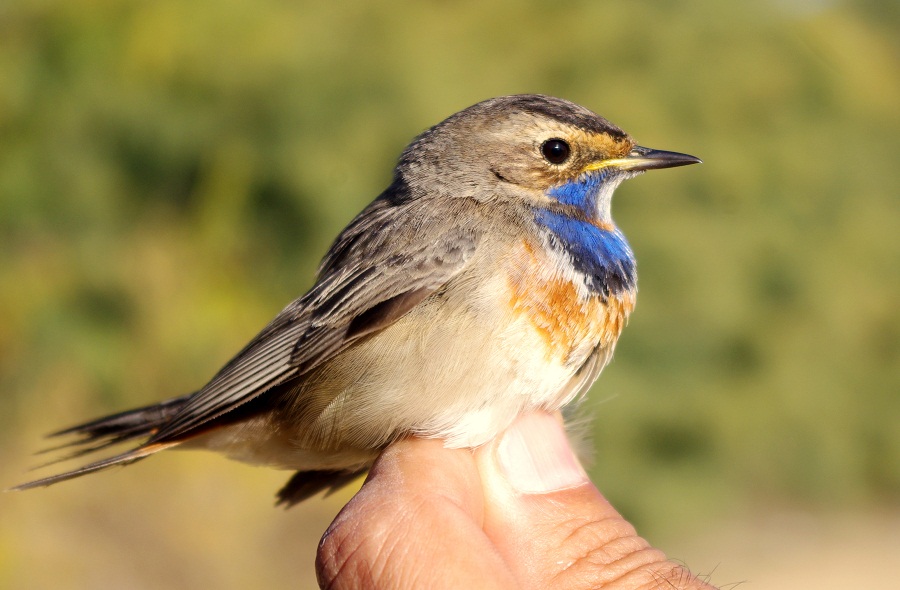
[349, 549]
[337, 558]
[604, 554]
[358, 549]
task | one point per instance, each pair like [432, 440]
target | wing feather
[363, 286]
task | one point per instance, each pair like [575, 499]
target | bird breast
[568, 319]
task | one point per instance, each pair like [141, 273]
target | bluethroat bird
[488, 280]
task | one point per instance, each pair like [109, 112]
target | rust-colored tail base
[106, 432]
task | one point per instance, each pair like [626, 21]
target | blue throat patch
[581, 192]
[602, 256]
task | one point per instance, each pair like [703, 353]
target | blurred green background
[171, 172]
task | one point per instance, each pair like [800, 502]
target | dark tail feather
[123, 426]
[306, 484]
[106, 432]
[123, 459]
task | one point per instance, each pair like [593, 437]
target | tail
[105, 432]
[306, 484]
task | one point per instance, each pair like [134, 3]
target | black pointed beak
[642, 158]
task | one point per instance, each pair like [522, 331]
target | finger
[552, 526]
[416, 523]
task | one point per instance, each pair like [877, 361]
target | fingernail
[536, 456]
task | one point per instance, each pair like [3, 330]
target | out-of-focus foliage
[171, 171]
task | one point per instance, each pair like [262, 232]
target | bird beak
[641, 158]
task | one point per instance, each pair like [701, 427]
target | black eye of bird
[555, 151]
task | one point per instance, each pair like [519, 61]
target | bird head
[532, 149]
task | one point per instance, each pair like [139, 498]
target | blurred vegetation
[171, 172]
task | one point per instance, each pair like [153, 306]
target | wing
[390, 258]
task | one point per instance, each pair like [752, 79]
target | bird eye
[555, 151]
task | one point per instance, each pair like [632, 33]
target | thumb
[552, 526]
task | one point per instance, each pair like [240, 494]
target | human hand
[519, 512]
